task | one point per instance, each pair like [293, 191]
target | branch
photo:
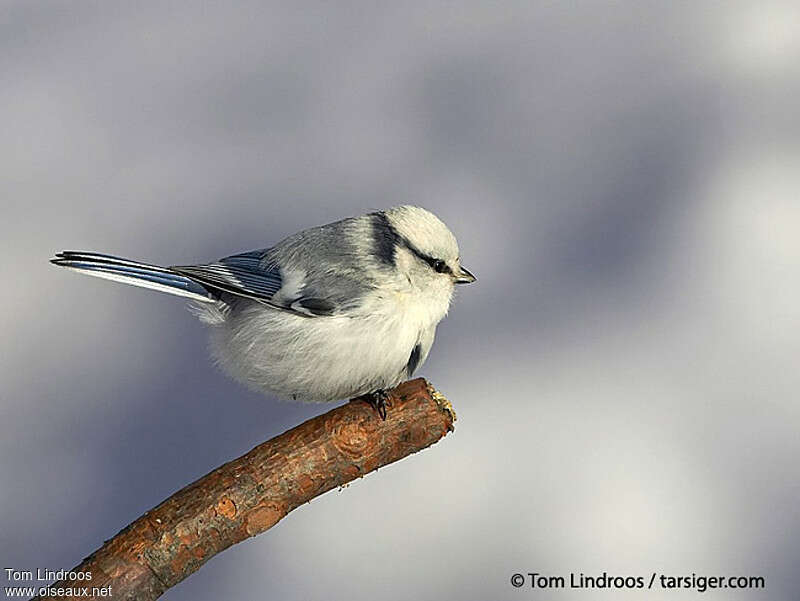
[252, 493]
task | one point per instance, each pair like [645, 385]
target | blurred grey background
[622, 177]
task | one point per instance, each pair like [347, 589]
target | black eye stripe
[440, 266]
[437, 265]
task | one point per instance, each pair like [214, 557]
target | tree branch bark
[252, 493]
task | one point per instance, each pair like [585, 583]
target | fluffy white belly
[320, 358]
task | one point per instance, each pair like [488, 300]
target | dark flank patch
[413, 360]
[386, 238]
[317, 306]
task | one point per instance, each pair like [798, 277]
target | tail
[136, 274]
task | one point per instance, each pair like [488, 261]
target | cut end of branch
[443, 403]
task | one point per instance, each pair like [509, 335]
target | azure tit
[336, 311]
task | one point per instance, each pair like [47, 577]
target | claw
[378, 400]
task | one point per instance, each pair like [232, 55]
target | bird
[348, 309]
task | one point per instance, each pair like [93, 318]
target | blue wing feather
[242, 275]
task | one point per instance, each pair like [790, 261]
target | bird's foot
[378, 400]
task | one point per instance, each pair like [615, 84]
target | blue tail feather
[134, 273]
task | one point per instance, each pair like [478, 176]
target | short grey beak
[464, 276]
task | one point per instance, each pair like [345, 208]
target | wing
[250, 275]
[241, 275]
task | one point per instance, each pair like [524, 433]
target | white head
[425, 250]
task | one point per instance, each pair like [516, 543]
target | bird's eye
[439, 266]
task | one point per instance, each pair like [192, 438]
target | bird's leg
[378, 401]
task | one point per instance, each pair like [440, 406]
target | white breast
[327, 358]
